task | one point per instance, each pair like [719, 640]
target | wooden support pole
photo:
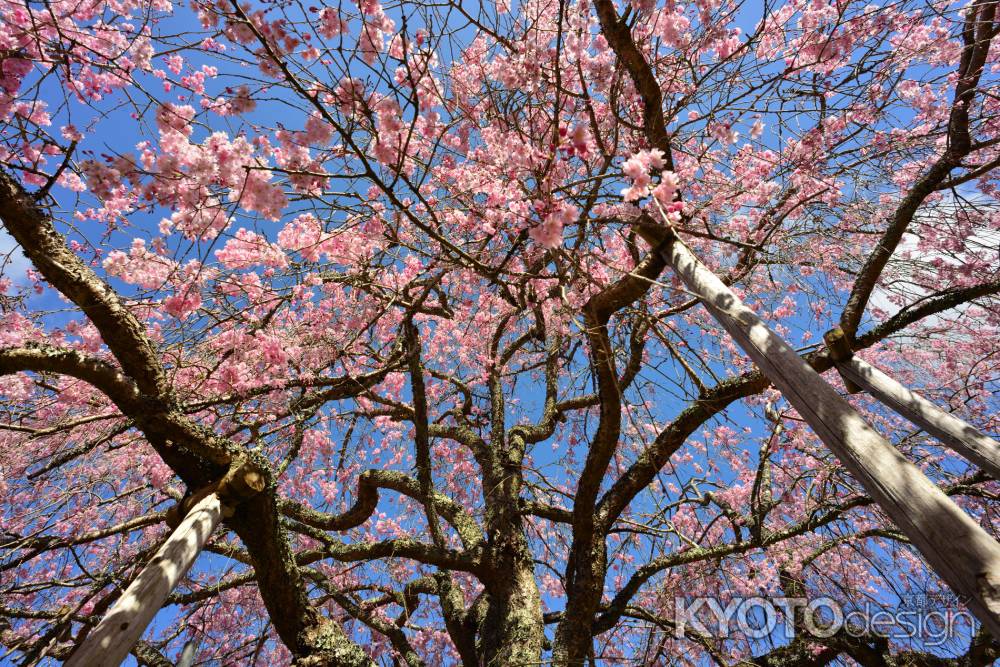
[187, 653]
[963, 554]
[840, 350]
[109, 643]
[974, 445]
[963, 438]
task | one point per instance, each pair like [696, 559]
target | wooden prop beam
[196, 518]
[963, 554]
[972, 444]
[839, 349]
[108, 644]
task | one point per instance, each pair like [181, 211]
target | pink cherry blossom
[415, 266]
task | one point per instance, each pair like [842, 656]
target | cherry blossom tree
[396, 258]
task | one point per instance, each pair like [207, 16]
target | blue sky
[128, 133]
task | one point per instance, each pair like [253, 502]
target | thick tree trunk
[575, 633]
[512, 630]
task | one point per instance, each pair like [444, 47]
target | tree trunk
[513, 630]
[586, 586]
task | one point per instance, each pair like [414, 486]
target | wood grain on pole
[109, 643]
[957, 547]
[963, 438]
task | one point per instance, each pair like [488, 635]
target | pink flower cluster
[638, 167]
[139, 266]
[248, 249]
[331, 24]
[550, 232]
